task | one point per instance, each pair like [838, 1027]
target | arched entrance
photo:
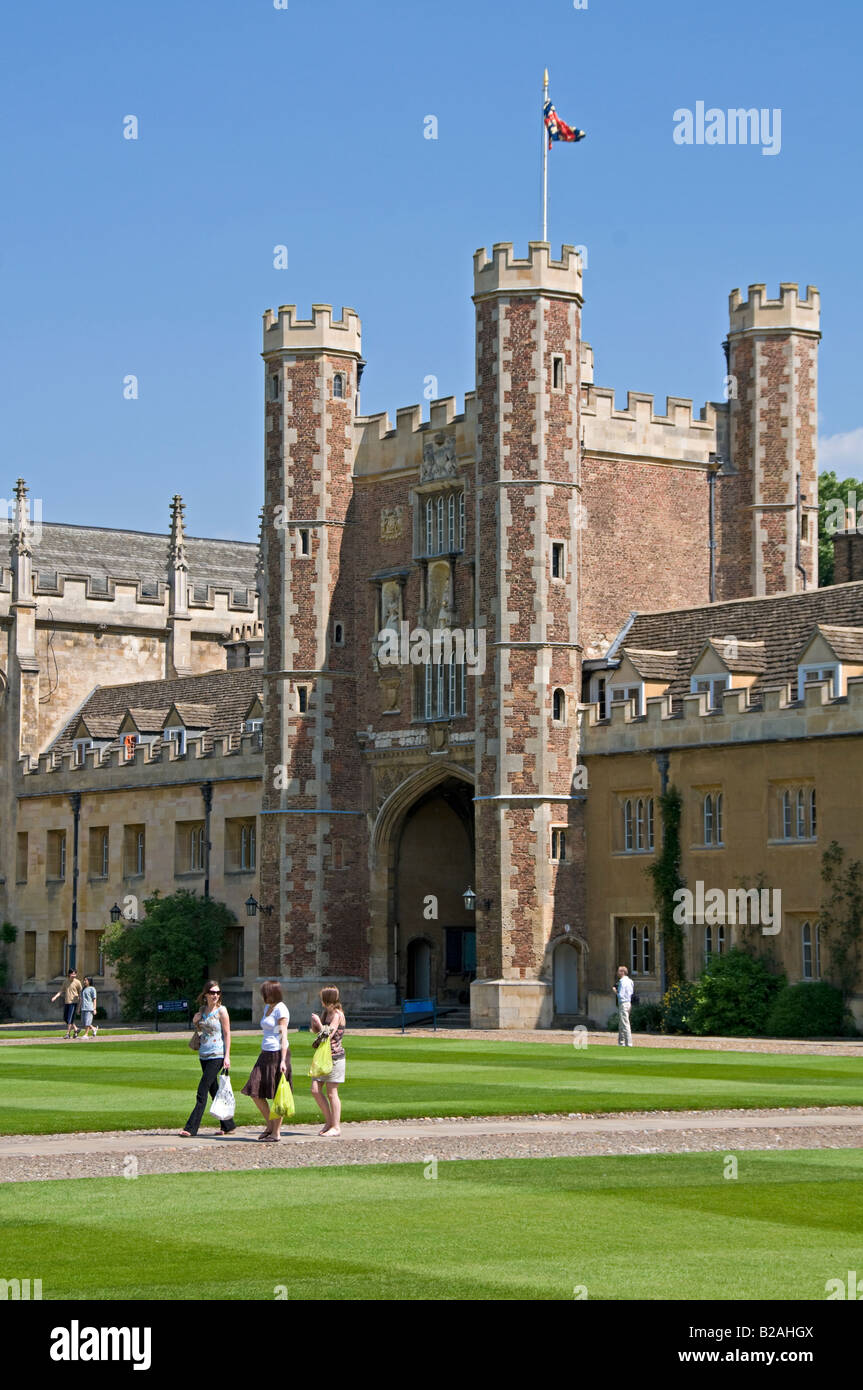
[419, 958]
[565, 978]
[423, 844]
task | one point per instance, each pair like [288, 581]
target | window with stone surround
[441, 528]
[558, 707]
[810, 950]
[558, 560]
[635, 943]
[232, 964]
[303, 547]
[58, 954]
[792, 813]
[134, 851]
[338, 634]
[712, 809]
[97, 858]
[715, 942]
[441, 690]
[22, 845]
[558, 844]
[303, 699]
[94, 953]
[30, 955]
[273, 386]
[558, 373]
[55, 857]
[241, 836]
[634, 831]
[190, 847]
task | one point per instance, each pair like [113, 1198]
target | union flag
[558, 129]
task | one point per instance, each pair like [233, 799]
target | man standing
[623, 989]
[71, 993]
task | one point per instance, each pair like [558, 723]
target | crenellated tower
[313, 825]
[768, 497]
[528, 837]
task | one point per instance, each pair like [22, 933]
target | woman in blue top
[213, 1024]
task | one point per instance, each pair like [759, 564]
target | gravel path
[140, 1152]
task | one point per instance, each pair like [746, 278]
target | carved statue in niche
[438, 591]
[392, 523]
[439, 459]
[390, 691]
[391, 606]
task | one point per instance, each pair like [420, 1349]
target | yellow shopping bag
[283, 1101]
[322, 1060]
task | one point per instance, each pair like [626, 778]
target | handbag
[223, 1103]
[282, 1105]
[195, 1040]
[322, 1059]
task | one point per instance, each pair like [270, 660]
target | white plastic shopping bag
[223, 1104]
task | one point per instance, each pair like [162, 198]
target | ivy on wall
[665, 872]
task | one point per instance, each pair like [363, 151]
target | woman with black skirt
[274, 1059]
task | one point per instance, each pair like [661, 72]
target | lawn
[665, 1226]
[139, 1085]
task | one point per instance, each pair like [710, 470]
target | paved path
[139, 1152]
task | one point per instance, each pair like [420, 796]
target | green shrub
[677, 1007]
[735, 995]
[809, 1010]
[645, 1018]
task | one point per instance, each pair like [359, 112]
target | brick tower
[528, 329]
[772, 364]
[313, 828]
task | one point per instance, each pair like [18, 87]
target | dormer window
[622, 693]
[176, 735]
[712, 687]
[254, 726]
[130, 743]
[808, 675]
[80, 747]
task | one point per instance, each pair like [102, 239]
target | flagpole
[544, 160]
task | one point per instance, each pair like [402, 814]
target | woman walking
[332, 1024]
[274, 1060]
[213, 1025]
[88, 1008]
[71, 993]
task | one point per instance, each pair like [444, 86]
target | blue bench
[419, 1006]
[171, 1006]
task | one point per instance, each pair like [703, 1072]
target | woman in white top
[274, 1059]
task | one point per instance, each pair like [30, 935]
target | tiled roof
[140, 555]
[749, 657]
[847, 642]
[225, 694]
[149, 721]
[784, 623]
[653, 665]
[194, 716]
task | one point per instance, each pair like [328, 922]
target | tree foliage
[833, 489]
[842, 915]
[665, 872]
[168, 953]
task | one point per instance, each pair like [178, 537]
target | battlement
[379, 448]
[788, 312]
[779, 716]
[639, 431]
[161, 763]
[502, 273]
[284, 332]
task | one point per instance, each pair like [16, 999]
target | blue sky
[304, 127]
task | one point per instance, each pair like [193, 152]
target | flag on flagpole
[557, 128]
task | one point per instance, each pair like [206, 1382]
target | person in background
[333, 1023]
[214, 1026]
[88, 1008]
[71, 993]
[624, 991]
[274, 1059]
